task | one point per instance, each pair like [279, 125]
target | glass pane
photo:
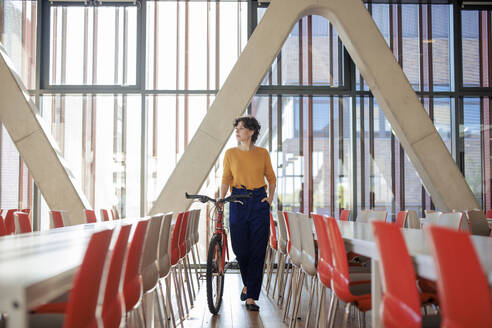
[470, 48]
[471, 133]
[93, 45]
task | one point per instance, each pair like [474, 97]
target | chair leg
[321, 304]
[198, 256]
[169, 304]
[279, 263]
[289, 293]
[347, 312]
[311, 296]
[278, 277]
[297, 298]
[140, 316]
[177, 288]
[160, 306]
[182, 285]
[332, 312]
[189, 278]
[268, 262]
[196, 267]
[285, 278]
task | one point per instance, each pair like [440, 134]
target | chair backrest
[132, 288]
[104, 214]
[9, 221]
[273, 233]
[82, 302]
[164, 241]
[149, 266]
[90, 216]
[340, 276]
[325, 263]
[182, 234]
[478, 223]
[285, 216]
[363, 216]
[114, 213]
[401, 303]
[283, 239]
[56, 219]
[295, 252]
[113, 295]
[464, 294]
[190, 229]
[413, 221]
[175, 239]
[344, 215]
[451, 220]
[432, 217]
[3, 230]
[377, 215]
[196, 234]
[401, 218]
[22, 222]
[489, 214]
[305, 224]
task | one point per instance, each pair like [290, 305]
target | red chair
[271, 253]
[401, 300]
[286, 217]
[56, 219]
[179, 287]
[3, 230]
[344, 215]
[462, 285]
[489, 214]
[90, 216]
[9, 221]
[358, 295]
[22, 222]
[401, 218]
[113, 296]
[26, 210]
[104, 215]
[133, 284]
[80, 309]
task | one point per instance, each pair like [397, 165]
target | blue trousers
[250, 229]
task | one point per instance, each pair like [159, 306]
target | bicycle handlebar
[231, 199]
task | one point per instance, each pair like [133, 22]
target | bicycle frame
[220, 230]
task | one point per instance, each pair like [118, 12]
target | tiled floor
[234, 314]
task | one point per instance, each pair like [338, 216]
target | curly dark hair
[250, 123]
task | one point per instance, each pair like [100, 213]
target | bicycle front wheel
[215, 279]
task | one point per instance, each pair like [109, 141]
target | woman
[245, 169]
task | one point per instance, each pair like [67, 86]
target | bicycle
[217, 251]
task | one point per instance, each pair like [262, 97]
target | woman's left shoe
[243, 296]
[252, 307]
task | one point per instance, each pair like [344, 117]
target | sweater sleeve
[269, 174]
[227, 174]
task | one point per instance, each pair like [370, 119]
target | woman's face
[243, 134]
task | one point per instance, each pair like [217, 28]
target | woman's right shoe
[243, 297]
[252, 307]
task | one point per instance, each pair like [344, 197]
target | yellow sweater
[248, 168]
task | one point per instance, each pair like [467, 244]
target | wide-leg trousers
[250, 229]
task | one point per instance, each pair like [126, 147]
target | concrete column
[367, 47]
[36, 146]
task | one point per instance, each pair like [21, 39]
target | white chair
[295, 254]
[308, 264]
[413, 221]
[451, 220]
[478, 223]
[377, 216]
[283, 243]
[432, 217]
[363, 216]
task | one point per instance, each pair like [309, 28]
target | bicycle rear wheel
[215, 279]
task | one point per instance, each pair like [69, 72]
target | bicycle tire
[214, 292]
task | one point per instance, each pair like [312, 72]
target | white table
[37, 267]
[359, 238]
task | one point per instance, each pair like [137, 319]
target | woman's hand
[266, 199]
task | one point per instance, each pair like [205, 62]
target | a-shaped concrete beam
[367, 47]
[36, 146]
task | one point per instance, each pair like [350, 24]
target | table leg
[376, 291]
